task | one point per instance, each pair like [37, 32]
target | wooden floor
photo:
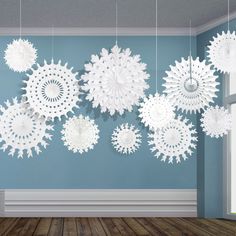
[116, 226]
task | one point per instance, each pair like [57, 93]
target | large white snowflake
[156, 111]
[175, 141]
[115, 80]
[222, 52]
[80, 134]
[126, 139]
[21, 131]
[216, 121]
[191, 85]
[20, 55]
[52, 90]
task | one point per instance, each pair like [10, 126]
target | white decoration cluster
[20, 131]
[175, 141]
[115, 80]
[126, 139]
[80, 134]
[20, 55]
[156, 111]
[52, 90]
[216, 121]
[222, 52]
[191, 90]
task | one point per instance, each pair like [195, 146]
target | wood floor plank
[7, 224]
[70, 228]
[123, 227]
[43, 227]
[56, 228]
[109, 227]
[229, 224]
[29, 227]
[83, 227]
[96, 227]
[18, 227]
[136, 226]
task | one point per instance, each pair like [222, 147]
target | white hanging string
[190, 50]
[156, 46]
[228, 15]
[52, 41]
[116, 24]
[20, 20]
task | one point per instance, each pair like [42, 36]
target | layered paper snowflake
[216, 121]
[222, 52]
[191, 89]
[52, 90]
[20, 131]
[126, 139]
[80, 134]
[156, 111]
[175, 141]
[115, 80]
[20, 55]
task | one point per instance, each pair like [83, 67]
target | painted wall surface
[56, 167]
[210, 150]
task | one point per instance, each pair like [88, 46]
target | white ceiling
[101, 13]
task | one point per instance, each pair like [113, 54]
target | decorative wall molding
[148, 202]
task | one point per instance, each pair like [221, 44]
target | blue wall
[102, 167]
[210, 150]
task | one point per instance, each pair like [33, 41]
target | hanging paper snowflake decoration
[20, 55]
[222, 52]
[115, 81]
[191, 85]
[52, 90]
[216, 121]
[21, 131]
[175, 141]
[80, 134]
[126, 139]
[156, 111]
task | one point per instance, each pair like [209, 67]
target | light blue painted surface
[102, 167]
[210, 150]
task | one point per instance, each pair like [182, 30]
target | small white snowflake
[80, 134]
[175, 141]
[20, 55]
[216, 121]
[126, 139]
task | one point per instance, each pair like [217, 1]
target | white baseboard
[102, 203]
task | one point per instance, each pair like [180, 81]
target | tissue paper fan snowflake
[115, 80]
[191, 85]
[126, 139]
[80, 134]
[20, 55]
[21, 131]
[222, 52]
[175, 141]
[156, 111]
[216, 121]
[52, 90]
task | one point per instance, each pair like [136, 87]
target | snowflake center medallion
[128, 138]
[22, 125]
[172, 137]
[52, 90]
[191, 85]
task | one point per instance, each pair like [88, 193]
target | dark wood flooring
[116, 226]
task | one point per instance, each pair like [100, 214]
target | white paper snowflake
[191, 88]
[20, 55]
[52, 90]
[80, 134]
[222, 52]
[126, 139]
[216, 121]
[156, 111]
[115, 81]
[175, 141]
[21, 131]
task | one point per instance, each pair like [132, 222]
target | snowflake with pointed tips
[80, 134]
[191, 85]
[222, 52]
[115, 80]
[21, 131]
[156, 111]
[175, 141]
[126, 139]
[216, 121]
[52, 90]
[20, 55]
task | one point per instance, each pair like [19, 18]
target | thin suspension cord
[116, 24]
[190, 50]
[20, 20]
[52, 41]
[156, 46]
[228, 15]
